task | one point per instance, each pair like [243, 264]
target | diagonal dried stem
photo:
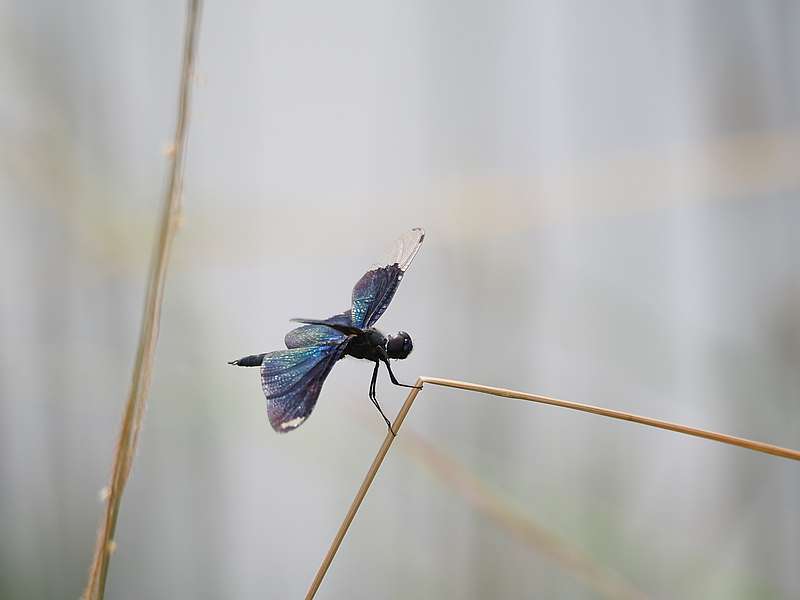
[485, 389]
[362, 491]
[491, 504]
[148, 337]
[501, 511]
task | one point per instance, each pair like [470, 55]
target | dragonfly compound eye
[399, 346]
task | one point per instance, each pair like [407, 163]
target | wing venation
[375, 290]
[312, 335]
[292, 379]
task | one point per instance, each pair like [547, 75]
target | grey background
[610, 195]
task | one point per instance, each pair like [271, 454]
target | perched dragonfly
[292, 378]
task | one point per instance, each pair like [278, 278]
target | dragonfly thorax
[366, 344]
[372, 345]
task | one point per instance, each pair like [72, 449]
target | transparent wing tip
[405, 249]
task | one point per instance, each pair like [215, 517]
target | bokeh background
[610, 193]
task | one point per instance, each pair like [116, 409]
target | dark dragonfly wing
[375, 290]
[313, 335]
[341, 323]
[292, 379]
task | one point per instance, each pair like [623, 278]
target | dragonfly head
[399, 346]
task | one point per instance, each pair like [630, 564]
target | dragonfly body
[369, 345]
[292, 378]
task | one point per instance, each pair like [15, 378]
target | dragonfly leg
[394, 379]
[374, 399]
[254, 360]
[372, 383]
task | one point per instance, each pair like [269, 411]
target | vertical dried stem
[148, 337]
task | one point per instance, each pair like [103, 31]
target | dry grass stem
[362, 491]
[142, 371]
[618, 414]
[485, 389]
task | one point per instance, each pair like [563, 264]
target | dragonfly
[292, 379]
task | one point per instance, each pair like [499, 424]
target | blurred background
[610, 194]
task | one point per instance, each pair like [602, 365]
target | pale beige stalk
[485, 389]
[618, 414]
[148, 336]
[362, 491]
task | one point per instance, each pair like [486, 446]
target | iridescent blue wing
[321, 331]
[292, 379]
[344, 319]
[372, 294]
[375, 290]
[312, 335]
